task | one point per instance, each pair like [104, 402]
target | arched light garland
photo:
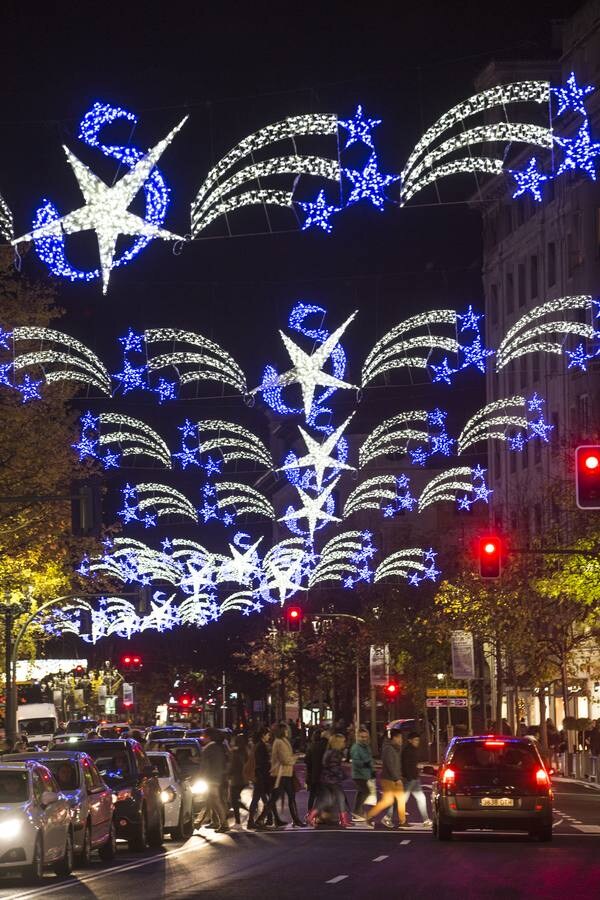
[370, 494]
[69, 358]
[394, 435]
[245, 499]
[506, 420]
[194, 358]
[413, 564]
[345, 558]
[133, 437]
[395, 349]
[163, 499]
[533, 332]
[6, 221]
[233, 442]
[447, 485]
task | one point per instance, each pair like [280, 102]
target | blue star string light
[429, 573]
[165, 390]
[212, 466]
[572, 97]
[437, 417]
[359, 128]
[540, 429]
[418, 457]
[529, 180]
[89, 422]
[369, 184]
[5, 337]
[5, 370]
[535, 403]
[29, 389]
[87, 447]
[481, 492]
[469, 321]
[443, 372]
[110, 460]
[187, 456]
[517, 441]
[475, 355]
[132, 342]
[131, 378]
[579, 358]
[318, 213]
[580, 152]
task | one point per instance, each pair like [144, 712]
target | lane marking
[336, 879]
[588, 829]
[404, 843]
[558, 822]
[380, 858]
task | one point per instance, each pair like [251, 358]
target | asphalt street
[359, 862]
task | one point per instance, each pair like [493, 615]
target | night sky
[235, 67]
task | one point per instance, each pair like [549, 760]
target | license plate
[496, 801]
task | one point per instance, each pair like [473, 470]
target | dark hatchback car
[494, 782]
[126, 769]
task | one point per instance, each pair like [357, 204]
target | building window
[513, 462]
[536, 366]
[521, 284]
[583, 413]
[510, 293]
[524, 372]
[494, 304]
[533, 276]
[551, 263]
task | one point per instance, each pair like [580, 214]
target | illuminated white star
[106, 208]
[319, 455]
[312, 508]
[283, 579]
[241, 566]
[307, 368]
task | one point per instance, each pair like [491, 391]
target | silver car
[35, 821]
[90, 800]
[176, 795]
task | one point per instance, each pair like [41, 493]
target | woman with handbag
[282, 770]
[363, 770]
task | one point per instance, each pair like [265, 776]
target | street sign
[127, 694]
[110, 706]
[379, 664]
[445, 702]
[447, 692]
[463, 655]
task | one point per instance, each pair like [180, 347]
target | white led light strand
[400, 563]
[211, 363]
[522, 329]
[466, 165]
[388, 351]
[138, 439]
[6, 221]
[319, 456]
[500, 95]
[445, 486]
[370, 494]
[71, 352]
[246, 499]
[393, 435]
[512, 410]
[166, 500]
[312, 508]
[258, 197]
[336, 561]
[233, 442]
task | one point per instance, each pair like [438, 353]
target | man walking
[362, 770]
[391, 782]
[412, 781]
[213, 765]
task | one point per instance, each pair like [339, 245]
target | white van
[39, 720]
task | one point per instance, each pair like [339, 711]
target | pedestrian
[362, 770]
[391, 782]
[213, 769]
[314, 764]
[332, 779]
[522, 727]
[261, 781]
[506, 729]
[237, 761]
[410, 772]
[282, 771]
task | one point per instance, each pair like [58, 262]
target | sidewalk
[563, 779]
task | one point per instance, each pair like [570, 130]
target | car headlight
[200, 786]
[9, 829]
[167, 795]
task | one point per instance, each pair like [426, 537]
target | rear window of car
[65, 772]
[13, 787]
[160, 763]
[482, 755]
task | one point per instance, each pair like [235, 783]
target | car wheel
[184, 829]
[138, 838]
[84, 857]
[444, 831]
[34, 872]
[108, 851]
[155, 834]
[64, 867]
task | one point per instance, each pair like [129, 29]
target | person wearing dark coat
[262, 778]
[332, 779]
[237, 782]
[314, 764]
[213, 765]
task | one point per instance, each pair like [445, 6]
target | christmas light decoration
[106, 208]
[319, 456]
[580, 152]
[29, 389]
[207, 361]
[6, 221]
[165, 500]
[395, 349]
[244, 566]
[413, 564]
[283, 569]
[359, 128]
[394, 435]
[233, 442]
[134, 437]
[312, 508]
[246, 500]
[529, 180]
[579, 357]
[287, 129]
[370, 494]
[572, 97]
[66, 360]
[343, 558]
[369, 184]
[492, 421]
[318, 213]
[445, 486]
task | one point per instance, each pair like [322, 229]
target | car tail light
[124, 794]
[448, 778]
[494, 743]
[542, 779]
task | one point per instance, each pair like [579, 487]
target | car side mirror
[48, 797]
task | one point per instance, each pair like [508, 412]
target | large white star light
[106, 207]
[307, 368]
[319, 455]
[312, 509]
[284, 580]
[242, 566]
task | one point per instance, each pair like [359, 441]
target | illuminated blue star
[402, 481]
[529, 180]
[481, 492]
[212, 466]
[369, 184]
[579, 152]
[406, 502]
[365, 574]
[441, 443]
[540, 429]
[132, 377]
[29, 389]
[165, 390]
[110, 460]
[90, 421]
[475, 354]
[431, 573]
[348, 582]
[414, 579]
[208, 512]
[443, 372]
[5, 337]
[430, 555]
[572, 96]
[464, 502]
[469, 321]
[188, 456]
[86, 446]
[129, 492]
[4, 374]
[188, 429]
[359, 128]
[388, 511]
[128, 514]
[437, 417]
[166, 545]
[132, 341]
[228, 519]
[418, 457]
[478, 471]
[318, 213]
[149, 521]
[84, 566]
[535, 403]
[578, 358]
[516, 442]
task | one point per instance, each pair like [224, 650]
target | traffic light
[490, 556]
[392, 690]
[79, 671]
[587, 476]
[294, 618]
[131, 662]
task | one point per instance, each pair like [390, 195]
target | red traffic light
[587, 475]
[294, 618]
[127, 660]
[490, 556]
[133, 663]
[392, 689]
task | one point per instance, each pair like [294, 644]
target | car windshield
[37, 726]
[65, 771]
[161, 765]
[494, 754]
[81, 727]
[115, 766]
[13, 787]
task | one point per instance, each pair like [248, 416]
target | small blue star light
[535, 403]
[578, 358]
[5, 374]
[132, 377]
[29, 389]
[529, 180]
[469, 321]
[369, 184]
[443, 372]
[89, 421]
[188, 456]
[132, 342]
[572, 96]
[475, 354]
[580, 152]
[318, 213]
[5, 337]
[359, 128]
[165, 390]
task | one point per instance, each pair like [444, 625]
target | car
[495, 782]
[187, 752]
[81, 726]
[64, 739]
[158, 732]
[35, 821]
[176, 794]
[90, 800]
[126, 769]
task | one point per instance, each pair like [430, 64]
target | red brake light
[448, 777]
[494, 743]
[542, 779]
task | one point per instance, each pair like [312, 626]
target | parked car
[492, 782]
[90, 800]
[176, 795]
[126, 769]
[35, 821]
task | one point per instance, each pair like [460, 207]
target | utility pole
[224, 703]
[9, 713]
